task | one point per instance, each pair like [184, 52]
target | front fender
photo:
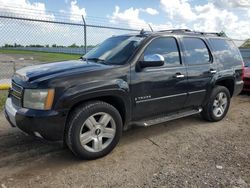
[96, 89]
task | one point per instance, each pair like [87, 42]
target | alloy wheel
[97, 132]
[220, 104]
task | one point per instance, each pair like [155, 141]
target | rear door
[159, 90]
[200, 69]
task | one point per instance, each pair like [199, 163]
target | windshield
[115, 50]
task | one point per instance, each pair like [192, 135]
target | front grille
[16, 94]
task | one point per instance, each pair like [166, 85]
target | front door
[159, 90]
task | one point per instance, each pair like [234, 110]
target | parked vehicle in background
[138, 79]
[247, 77]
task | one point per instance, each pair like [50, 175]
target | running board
[181, 114]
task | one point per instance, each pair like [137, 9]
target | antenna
[142, 32]
[150, 28]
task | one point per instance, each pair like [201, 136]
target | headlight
[39, 99]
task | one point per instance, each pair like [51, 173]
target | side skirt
[162, 119]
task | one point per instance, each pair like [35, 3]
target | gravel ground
[188, 152]
[7, 62]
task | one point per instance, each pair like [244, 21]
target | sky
[230, 16]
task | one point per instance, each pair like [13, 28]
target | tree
[73, 46]
[246, 44]
[8, 45]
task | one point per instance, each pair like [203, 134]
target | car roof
[181, 32]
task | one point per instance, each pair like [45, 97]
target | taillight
[243, 70]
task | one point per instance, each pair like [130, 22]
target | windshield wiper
[97, 60]
[94, 59]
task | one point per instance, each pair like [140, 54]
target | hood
[32, 73]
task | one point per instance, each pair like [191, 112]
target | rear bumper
[45, 124]
[238, 87]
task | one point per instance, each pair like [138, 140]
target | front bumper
[46, 124]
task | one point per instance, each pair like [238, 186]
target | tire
[219, 95]
[99, 125]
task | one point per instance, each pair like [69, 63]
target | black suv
[137, 79]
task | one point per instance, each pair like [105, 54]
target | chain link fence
[23, 39]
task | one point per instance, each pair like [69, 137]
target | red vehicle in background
[247, 77]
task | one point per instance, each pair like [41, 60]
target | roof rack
[221, 34]
[176, 30]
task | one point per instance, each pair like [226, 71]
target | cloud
[150, 11]
[209, 17]
[76, 12]
[215, 16]
[178, 9]
[129, 16]
[24, 8]
[231, 3]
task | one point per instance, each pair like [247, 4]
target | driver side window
[167, 47]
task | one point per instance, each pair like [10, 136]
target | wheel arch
[119, 100]
[228, 83]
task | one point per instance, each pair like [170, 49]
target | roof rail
[221, 34]
[176, 30]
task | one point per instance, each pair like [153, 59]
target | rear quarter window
[226, 51]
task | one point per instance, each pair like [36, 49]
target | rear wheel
[218, 104]
[94, 129]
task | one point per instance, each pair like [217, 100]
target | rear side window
[196, 51]
[167, 47]
[225, 51]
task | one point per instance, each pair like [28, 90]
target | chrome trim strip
[158, 98]
[17, 92]
[18, 86]
[163, 68]
[199, 91]
[170, 96]
[14, 95]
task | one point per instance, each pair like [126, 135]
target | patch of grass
[42, 56]
[3, 97]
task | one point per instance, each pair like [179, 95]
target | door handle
[179, 75]
[213, 71]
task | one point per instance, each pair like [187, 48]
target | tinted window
[196, 51]
[115, 50]
[225, 50]
[167, 47]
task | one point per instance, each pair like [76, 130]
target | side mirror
[154, 60]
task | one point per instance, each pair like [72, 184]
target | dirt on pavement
[188, 152]
[9, 61]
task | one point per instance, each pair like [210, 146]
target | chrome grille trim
[16, 92]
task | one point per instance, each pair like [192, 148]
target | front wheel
[94, 129]
[218, 104]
